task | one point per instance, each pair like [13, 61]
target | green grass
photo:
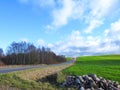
[30, 79]
[107, 66]
[12, 80]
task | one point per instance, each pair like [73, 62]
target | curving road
[7, 70]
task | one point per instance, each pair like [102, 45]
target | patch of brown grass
[26, 79]
[6, 87]
[16, 66]
[35, 74]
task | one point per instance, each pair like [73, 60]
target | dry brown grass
[35, 74]
[16, 66]
[26, 79]
[6, 87]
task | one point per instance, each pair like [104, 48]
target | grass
[16, 66]
[14, 81]
[30, 79]
[107, 66]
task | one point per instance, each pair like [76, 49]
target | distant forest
[23, 53]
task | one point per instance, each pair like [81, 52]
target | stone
[82, 88]
[90, 82]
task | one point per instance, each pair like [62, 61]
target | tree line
[19, 53]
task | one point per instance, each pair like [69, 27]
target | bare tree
[1, 52]
[27, 53]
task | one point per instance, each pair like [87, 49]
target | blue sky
[69, 27]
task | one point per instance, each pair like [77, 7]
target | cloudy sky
[68, 27]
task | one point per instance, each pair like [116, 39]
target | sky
[68, 27]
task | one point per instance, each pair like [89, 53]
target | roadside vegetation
[107, 66]
[47, 78]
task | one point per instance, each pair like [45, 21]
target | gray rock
[81, 79]
[115, 84]
[100, 89]
[82, 88]
[93, 76]
[90, 82]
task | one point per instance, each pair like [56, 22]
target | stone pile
[90, 82]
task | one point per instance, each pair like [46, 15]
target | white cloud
[75, 36]
[75, 39]
[93, 24]
[93, 41]
[92, 13]
[64, 46]
[116, 26]
[50, 45]
[106, 32]
[41, 42]
[61, 16]
[76, 44]
[71, 9]
[24, 40]
[114, 31]
[110, 43]
[109, 47]
[99, 10]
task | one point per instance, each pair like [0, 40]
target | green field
[107, 66]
